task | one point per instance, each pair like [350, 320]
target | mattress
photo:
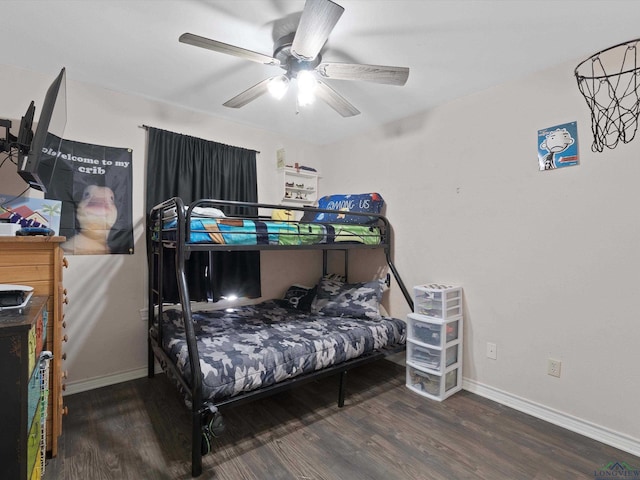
[259, 345]
[234, 231]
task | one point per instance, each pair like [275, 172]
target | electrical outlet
[553, 367]
[492, 350]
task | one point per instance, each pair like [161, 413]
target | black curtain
[192, 168]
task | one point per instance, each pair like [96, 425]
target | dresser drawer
[37, 335]
[41, 332]
[32, 339]
[34, 393]
[37, 472]
[34, 443]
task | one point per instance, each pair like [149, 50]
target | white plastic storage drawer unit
[439, 301]
[434, 341]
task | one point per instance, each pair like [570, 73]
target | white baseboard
[106, 380]
[574, 424]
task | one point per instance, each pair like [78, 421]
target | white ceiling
[453, 48]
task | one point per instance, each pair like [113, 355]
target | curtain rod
[147, 127]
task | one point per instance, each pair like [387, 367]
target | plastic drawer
[437, 387]
[438, 301]
[425, 357]
[432, 358]
[423, 381]
[432, 331]
[429, 333]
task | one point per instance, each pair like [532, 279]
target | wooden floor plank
[140, 430]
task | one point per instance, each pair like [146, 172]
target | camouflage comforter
[259, 345]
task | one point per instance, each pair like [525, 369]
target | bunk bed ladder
[192, 346]
[153, 295]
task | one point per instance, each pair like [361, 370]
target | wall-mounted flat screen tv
[49, 131]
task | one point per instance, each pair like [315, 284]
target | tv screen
[49, 131]
[25, 133]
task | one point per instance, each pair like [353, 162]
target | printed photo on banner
[558, 146]
[94, 184]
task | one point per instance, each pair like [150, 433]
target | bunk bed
[221, 358]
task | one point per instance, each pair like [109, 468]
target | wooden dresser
[37, 261]
[21, 335]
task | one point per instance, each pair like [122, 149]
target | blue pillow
[361, 203]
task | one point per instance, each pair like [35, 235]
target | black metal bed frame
[160, 241]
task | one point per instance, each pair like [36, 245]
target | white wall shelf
[299, 185]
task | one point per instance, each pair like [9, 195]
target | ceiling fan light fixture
[278, 86]
[299, 54]
[307, 85]
[305, 98]
[307, 81]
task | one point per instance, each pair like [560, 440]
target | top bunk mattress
[255, 346]
[236, 231]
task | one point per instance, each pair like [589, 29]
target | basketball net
[609, 82]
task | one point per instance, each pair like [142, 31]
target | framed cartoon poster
[558, 146]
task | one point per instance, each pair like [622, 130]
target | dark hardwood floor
[139, 430]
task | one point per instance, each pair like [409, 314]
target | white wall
[107, 338]
[549, 261]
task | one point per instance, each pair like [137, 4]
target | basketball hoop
[610, 83]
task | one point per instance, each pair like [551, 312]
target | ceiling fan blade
[316, 23]
[249, 95]
[367, 73]
[216, 46]
[335, 100]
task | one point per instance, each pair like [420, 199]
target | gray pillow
[338, 299]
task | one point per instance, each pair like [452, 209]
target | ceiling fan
[298, 53]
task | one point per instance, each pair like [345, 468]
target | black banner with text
[95, 186]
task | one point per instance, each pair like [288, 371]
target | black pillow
[299, 297]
